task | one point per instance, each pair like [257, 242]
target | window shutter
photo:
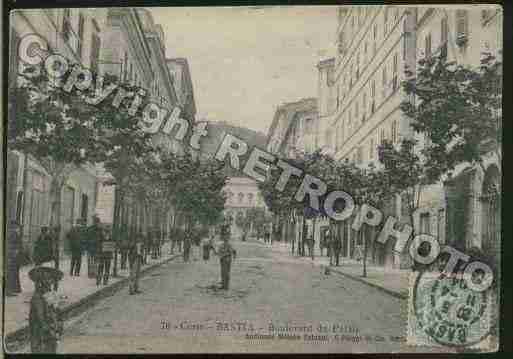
[443, 37]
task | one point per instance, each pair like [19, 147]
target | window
[125, 67]
[80, 34]
[341, 43]
[393, 131]
[424, 223]
[359, 154]
[371, 149]
[427, 45]
[373, 94]
[394, 69]
[19, 207]
[444, 31]
[382, 136]
[384, 80]
[396, 15]
[405, 38]
[357, 66]
[95, 52]
[440, 226]
[241, 197]
[485, 15]
[250, 198]
[461, 27]
[386, 19]
[375, 32]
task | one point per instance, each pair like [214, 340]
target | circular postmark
[448, 311]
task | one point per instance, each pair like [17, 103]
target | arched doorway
[490, 213]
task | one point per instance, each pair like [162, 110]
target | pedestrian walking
[187, 243]
[45, 323]
[337, 248]
[74, 237]
[330, 242]
[14, 254]
[94, 235]
[42, 247]
[311, 246]
[226, 254]
[207, 245]
[104, 257]
[135, 255]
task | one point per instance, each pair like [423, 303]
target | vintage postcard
[271, 179]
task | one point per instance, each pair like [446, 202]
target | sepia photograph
[253, 179]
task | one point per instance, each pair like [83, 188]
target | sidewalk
[76, 290]
[389, 280]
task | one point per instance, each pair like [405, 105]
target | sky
[245, 62]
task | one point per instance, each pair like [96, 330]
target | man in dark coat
[42, 247]
[94, 236]
[13, 258]
[74, 237]
[337, 248]
[226, 253]
[187, 243]
[45, 324]
[104, 257]
[135, 255]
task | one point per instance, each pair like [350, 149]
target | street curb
[383, 289]
[20, 336]
[393, 293]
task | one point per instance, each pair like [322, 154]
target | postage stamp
[252, 179]
[444, 311]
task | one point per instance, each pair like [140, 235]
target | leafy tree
[457, 109]
[62, 130]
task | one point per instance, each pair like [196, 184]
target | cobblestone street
[181, 310]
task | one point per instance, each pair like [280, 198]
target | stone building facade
[359, 97]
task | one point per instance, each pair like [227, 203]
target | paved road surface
[181, 310]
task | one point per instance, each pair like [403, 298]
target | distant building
[242, 194]
[294, 128]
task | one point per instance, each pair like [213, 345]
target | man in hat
[74, 237]
[45, 324]
[94, 237]
[337, 248]
[13, 258]
[226, 253]
[104, 257]
[135, 256]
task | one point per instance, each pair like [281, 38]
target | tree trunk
[303, 236]
[362, 234]
[55, 217]
[115, 227]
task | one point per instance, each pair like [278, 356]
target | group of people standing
[225, 250]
